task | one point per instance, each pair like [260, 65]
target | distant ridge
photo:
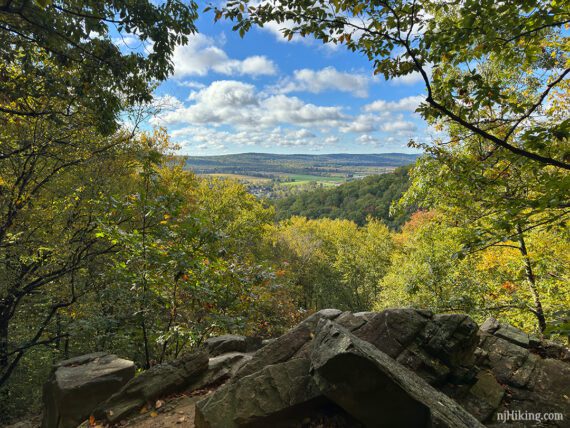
[269, 162]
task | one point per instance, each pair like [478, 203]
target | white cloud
[331, 139]
[190, 84]
[368, 140]
[230, 102]
[362, 123]
[329, 78]
[404, 104]
[204, 138]
[399, 126]
[201, 55]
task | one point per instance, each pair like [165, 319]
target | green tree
[424, 271]
[371, 196]
[63, 58]
[331, 263]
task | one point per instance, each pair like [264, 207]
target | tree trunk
[5, 310]
[531, 280]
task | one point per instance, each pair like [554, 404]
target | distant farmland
[293, 170]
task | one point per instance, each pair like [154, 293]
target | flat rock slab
[375, 389]
[78, 385]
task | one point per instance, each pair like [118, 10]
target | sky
[265, 94]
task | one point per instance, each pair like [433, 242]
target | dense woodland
[357, 200]
[108, 243]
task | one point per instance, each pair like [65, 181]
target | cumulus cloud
[368, 139]
[230, 102]
[399, 126]
[204, 138]
[331, 139]
[190, 84]
[362, 123]
[403, 104]
[329, 78]
[202, 55]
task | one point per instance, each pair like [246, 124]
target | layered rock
[393, 356]
[270, 396]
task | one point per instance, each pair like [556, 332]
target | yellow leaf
[153, 414]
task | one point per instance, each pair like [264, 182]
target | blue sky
[265, 94]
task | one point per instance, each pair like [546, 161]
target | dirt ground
[178, 412]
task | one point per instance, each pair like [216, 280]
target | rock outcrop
[261, 399]
[397, 368]
[76, 386]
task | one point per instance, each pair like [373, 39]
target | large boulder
[374, 388]
[156, 382]
[393, 330]
[268, 397]
[78, 385]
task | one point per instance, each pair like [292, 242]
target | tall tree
[64, 81]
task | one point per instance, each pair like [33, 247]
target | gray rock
[510, 363]
[330, 314]
[287, 346]
[220, 368]
[366, 316]
[392, 330]
[350, 321]
[513, 335]
[484, 397]
[374, 388]
[547, 391]
[268, 397]
[157, 381]
[451, 338]
[78, 385]
[232, 343]
[490, 325]
[424, 365]
[266, 342]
